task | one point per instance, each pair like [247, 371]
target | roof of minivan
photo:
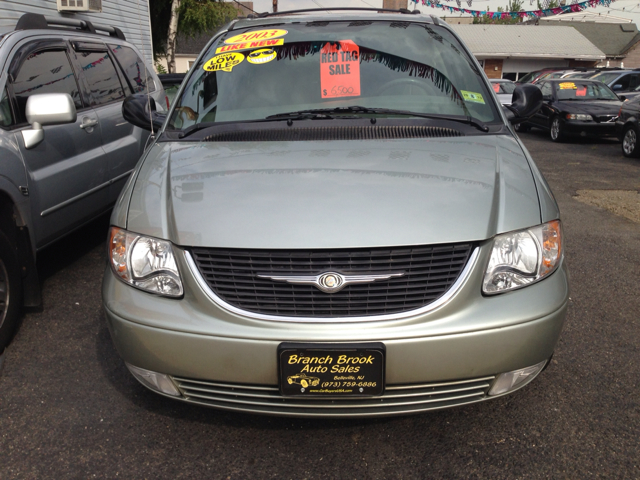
[323, 16]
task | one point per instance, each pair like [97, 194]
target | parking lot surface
[70, 409]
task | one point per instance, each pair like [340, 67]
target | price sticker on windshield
[340, 70]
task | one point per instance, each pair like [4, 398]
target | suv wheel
[630, 146]
[556, 130]
[10, 291]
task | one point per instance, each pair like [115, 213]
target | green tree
[190, 17]
[515, 6]
[512, 6]
[552, 4]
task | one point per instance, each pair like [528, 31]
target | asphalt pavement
[70, 409]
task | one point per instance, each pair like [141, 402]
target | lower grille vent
[397, 399]
[334, 133]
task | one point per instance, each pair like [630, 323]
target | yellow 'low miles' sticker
[568, 86]
[225, 62]
[472, 96]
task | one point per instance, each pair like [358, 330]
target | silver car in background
[503, 89]
[336, 219]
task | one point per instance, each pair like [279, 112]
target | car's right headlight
[144, 262]
[523, 257]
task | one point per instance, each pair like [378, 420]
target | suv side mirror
[525, 102]
[140, 110]
[617, 87]
[46, 109]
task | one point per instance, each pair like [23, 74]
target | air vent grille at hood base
[334, 133]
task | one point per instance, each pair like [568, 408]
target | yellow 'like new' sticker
[472, 96]
[225, 62]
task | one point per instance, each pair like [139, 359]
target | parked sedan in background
[575, 106]
[531, 77]
[627, 127]
[504, 89]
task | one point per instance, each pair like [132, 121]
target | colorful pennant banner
[576, 7]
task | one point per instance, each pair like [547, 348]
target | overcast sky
[631, 7]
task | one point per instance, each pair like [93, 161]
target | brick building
[618, 41]
[511, 51]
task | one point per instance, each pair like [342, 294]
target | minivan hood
[333, 194]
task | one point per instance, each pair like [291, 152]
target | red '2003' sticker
[340, 70]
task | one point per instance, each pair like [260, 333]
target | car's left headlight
[523, 257]
[579, 116]
[144, 262]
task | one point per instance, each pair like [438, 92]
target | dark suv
[65, 149]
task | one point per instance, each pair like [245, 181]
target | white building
[130, 16]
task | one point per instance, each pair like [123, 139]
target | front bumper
[589, 128]
[442, 358]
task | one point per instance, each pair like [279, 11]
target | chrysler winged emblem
[331, 282]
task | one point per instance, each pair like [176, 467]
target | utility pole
[275, 6]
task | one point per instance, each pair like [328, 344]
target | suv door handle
[88, 123]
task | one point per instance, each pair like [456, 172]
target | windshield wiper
[356, 109]
[329, 114]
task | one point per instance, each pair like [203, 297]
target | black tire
[631, 142]
[521, 127]
[10, 291]
[556, 130]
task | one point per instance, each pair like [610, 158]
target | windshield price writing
[340, 69]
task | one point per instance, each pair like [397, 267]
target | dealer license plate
[322, 370]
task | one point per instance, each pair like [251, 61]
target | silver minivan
[65, 149]
[336, 219]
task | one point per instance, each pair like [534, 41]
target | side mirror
[46, 109]
[525, 102]
[617, 87]
[140, 110]
[622, 97]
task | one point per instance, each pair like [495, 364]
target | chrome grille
[429, 271]
[396, 400]
[606, 118]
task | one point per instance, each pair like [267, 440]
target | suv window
[47, 71]
[134, 69]
[6, 117]
[623, 81]
[104, 84]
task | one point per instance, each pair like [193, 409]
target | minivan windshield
[253, 73]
